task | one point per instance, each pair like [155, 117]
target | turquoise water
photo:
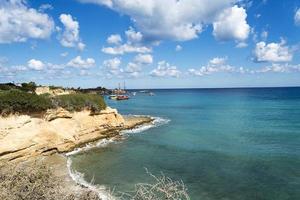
[241, 144]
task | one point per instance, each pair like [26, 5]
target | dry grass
[162, 188]
[36, 182]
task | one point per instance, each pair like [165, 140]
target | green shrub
[79, 101]
[16, 101]
[28, 87]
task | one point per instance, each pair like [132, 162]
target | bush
[19, 101]
[79, 101]
[28, 87]
[7, 86]
[16, 101]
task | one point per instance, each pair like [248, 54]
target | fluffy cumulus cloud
[78, 62]
[297, 17]
[164, 69]
[133, 69]
[215, 65]
[70, 36]
[273, 52]
[231, 24]
[133, 44]
[143, 59]
[35, 64]
[179, 20]
[114, 39]
[218, 61]
[113, 66]
[18, 22]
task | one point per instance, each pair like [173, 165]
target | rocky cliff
[23, 136]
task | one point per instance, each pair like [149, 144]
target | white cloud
[264, 35]
[64, 54]
[133, 37]
[78, 62]
[132, 45]
[84, 73]
[107, 3]
[18, 23]
[178, 48]
[125, 48]
[215, 65]
[231, 24]
[114, 39]
[45, 7]
[70, 36]
[297, 17]
[278, 68]
[172, 19]
[241, 45]
[133, 68]
[164, 69]
[272, 52]
[143, 59]
[35, 64]
[218, 61]
[81, 46]
[113, 66]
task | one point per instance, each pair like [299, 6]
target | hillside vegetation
[23, 99]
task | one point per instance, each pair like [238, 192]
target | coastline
[23, 136]
[103, 192]
[27, 140]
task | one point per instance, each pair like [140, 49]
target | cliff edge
[58, 131]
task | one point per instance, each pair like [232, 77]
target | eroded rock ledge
[23, 137]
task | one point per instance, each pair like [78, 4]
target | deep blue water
[237, 144]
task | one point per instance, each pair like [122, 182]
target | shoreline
[23, 136]
[78, 178]
[51, 151]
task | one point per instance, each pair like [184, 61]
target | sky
[151, 43]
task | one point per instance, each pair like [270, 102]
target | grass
[79, 101]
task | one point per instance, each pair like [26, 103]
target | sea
[224, 144]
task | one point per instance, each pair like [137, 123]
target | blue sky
[151, 43]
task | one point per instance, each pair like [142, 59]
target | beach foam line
[89, 146]
[157, 121]
[78, 177]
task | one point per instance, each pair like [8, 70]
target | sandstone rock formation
[22, 137]
[52, 92]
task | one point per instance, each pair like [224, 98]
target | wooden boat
[122, 97]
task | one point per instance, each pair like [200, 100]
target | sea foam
[78, 177]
